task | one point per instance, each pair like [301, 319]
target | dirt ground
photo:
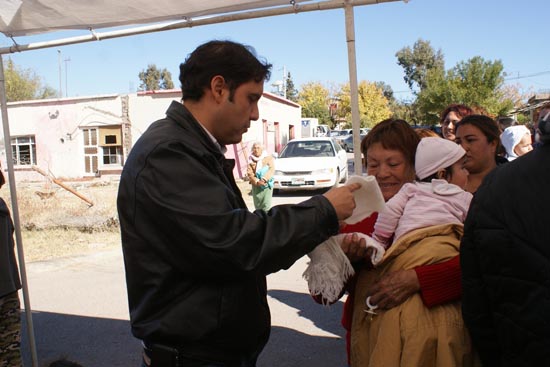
[56, 223]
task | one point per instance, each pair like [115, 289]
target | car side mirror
[275, 155]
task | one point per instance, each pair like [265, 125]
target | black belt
[159, 355]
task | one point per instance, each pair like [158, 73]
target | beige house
[85, 137]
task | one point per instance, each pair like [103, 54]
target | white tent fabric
[28, 17]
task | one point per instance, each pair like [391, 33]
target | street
[80, 312]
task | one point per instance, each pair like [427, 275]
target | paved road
[80, 312]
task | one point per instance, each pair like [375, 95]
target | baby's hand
[354, 247]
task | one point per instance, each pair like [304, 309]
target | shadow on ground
[288, 347]
[90, 341]
[98, 342]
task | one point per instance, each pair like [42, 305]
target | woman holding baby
[413, 316]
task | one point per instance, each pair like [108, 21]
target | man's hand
[342, 199]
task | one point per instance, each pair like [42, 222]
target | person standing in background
[479, 135]
[10, 283]
[452, 116]
[261, 167]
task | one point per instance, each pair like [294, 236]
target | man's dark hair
[237, 64]
[2, 179]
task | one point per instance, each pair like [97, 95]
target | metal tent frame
[201, 13]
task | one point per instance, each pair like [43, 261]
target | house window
[112, 155]
[111, 143]
[23, 150]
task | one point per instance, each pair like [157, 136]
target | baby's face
[524, 145]
[459, 174]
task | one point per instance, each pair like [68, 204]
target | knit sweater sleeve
[440, 283]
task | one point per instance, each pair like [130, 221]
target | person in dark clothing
[196, 259]
[505, 261]
[10, 283]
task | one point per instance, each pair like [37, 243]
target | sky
[312, 46]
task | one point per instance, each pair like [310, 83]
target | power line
[529, 75]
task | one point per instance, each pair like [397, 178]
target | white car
[310, 163]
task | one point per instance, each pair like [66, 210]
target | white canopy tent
[30, 17]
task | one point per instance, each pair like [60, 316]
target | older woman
[479, 135]
[403, 290]
[261, 167]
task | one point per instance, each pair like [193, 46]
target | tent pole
[15, 215]
[98, 36]
[352, 62]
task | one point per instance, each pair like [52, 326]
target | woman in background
[479, 135]
[261, 167]
[450, 117]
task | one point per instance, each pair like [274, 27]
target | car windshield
[308, 149]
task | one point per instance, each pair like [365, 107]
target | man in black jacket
[505, 260]
[195, 257]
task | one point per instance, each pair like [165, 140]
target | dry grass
[56, 223]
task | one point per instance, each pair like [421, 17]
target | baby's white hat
[434, 154]
[511, 136]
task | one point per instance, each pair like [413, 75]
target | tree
[373, 105]
[291, 92]
[386, 89]
[24, 84]
[417, 62]
[476, 83]
[314, 99]
[155, 79]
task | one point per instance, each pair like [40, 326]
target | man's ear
[441, 174]
[217, 86]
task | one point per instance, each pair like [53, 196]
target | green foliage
[24, 84]
[291, 92]
[314, 99]
[373, 104]
[386, 90]
[155, 79]
[417, 61]
[476, 83]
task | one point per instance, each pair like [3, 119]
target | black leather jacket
[195, 257]
[505, 261]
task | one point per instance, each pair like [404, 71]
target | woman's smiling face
[390, 168]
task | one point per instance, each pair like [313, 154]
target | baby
[438, 197]
[517, 141]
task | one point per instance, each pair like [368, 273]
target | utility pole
[66, 88]
[59, 64]
[284, 81]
